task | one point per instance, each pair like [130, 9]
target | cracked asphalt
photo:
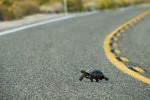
[44, 62]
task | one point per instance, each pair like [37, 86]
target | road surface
[44, 62]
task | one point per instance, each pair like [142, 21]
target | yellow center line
[118, 34]
[116, 39]
[124, 59]
[122, 30]
[126, 27]
[116, 62]
[117, 51]
[139, 69]
[115, 44]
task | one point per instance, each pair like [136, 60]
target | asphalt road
[135, 45]
[44, 62]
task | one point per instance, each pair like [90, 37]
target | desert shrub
[6, 2]
[89, 6]
[4, 13]
[58, 7]
[106, 4]
[141, 1]
[53, 6]
[133, 1]
[22, 8]
[54, 1]
[41, 2]
[75, 5]
[72, 5]
[122, 3]
[48, 2]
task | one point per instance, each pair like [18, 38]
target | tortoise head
[85, 73]
[82, 71]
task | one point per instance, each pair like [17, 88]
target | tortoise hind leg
[97, 80]
[106, 78]
[91, 78]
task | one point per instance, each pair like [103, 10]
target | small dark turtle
[92, 74]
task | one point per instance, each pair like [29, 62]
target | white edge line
[44, 22]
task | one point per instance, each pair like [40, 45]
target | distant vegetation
[107, 4]
[15, 9]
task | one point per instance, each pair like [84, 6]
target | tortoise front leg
[81, 77]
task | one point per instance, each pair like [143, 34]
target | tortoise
[93, 74]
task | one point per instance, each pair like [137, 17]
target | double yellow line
[111, 53]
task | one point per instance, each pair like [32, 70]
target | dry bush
[75, 5]
[53, 6]
[42, 1]
[89, 6]
[58, 7]
[22, 8]
[122, 3]
[4, 13]
[106, 4]
[54, 1]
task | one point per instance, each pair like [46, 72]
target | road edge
[39, 23]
